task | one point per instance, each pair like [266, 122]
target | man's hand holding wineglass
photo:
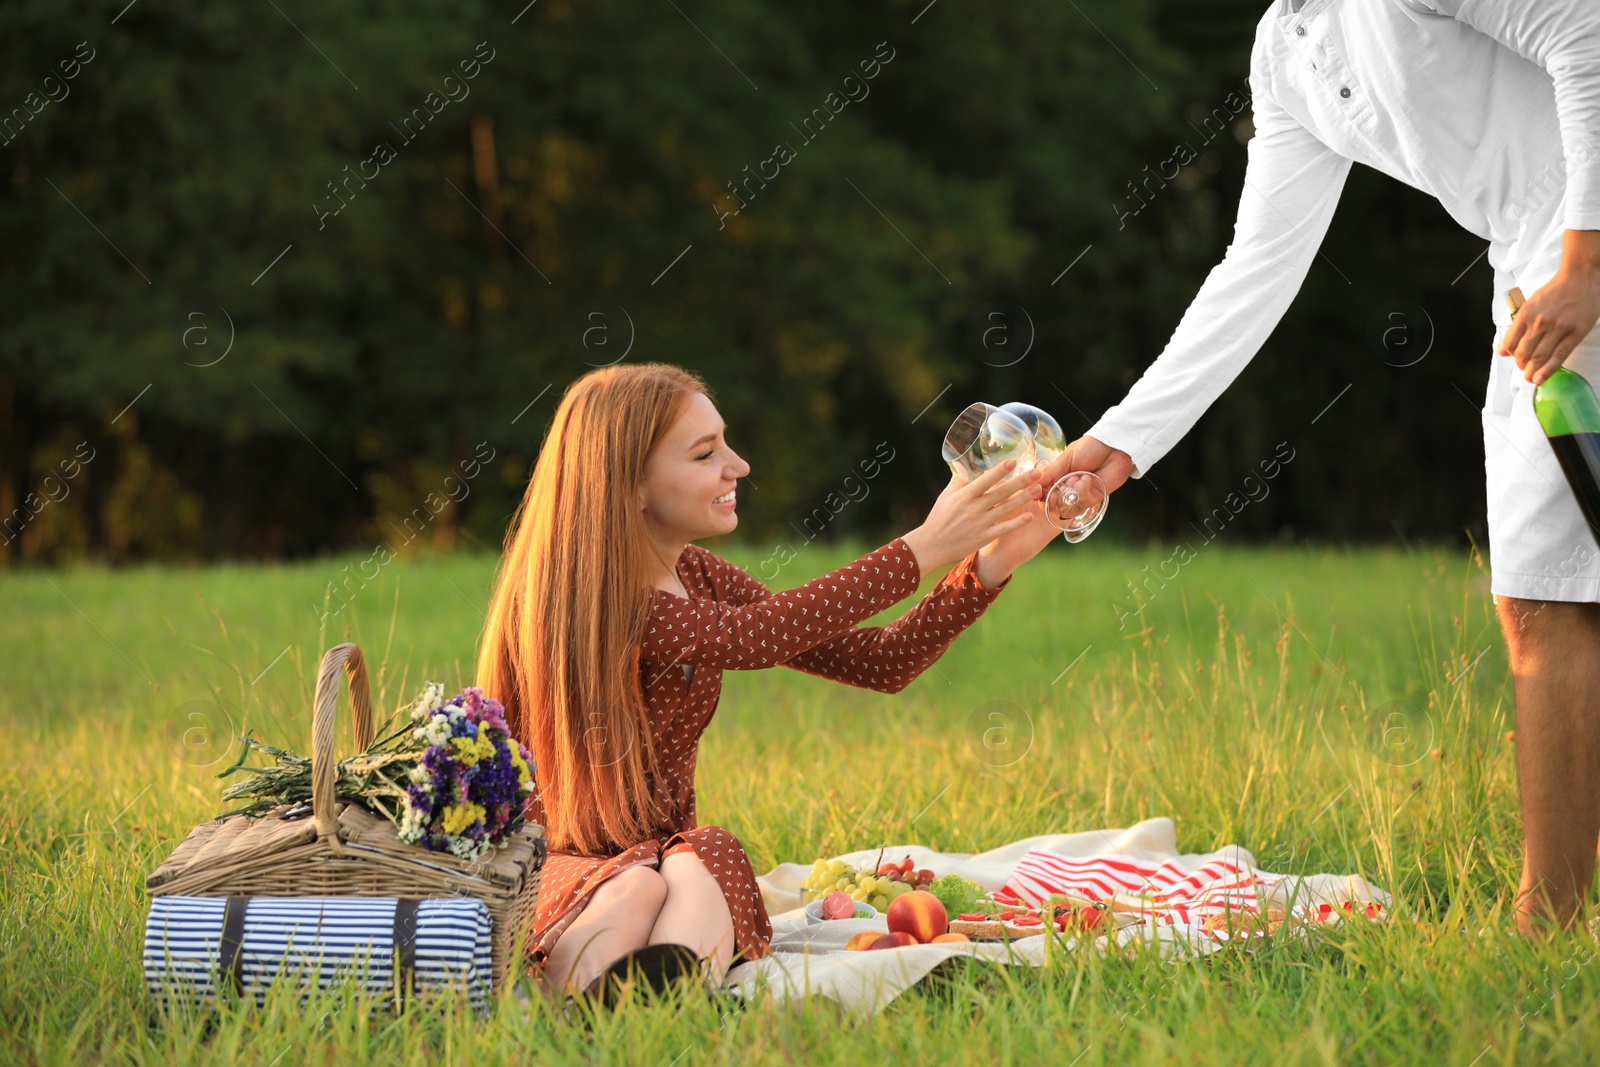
[1111, 465]
[1006, 553]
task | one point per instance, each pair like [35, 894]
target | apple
[950, 939]
[893, 939]
[920, 914]
[838, 905]
[863, 940]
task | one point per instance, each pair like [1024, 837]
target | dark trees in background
[288, 283]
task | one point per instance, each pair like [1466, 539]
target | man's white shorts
[1540, 547]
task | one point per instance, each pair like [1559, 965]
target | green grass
[1286, 700]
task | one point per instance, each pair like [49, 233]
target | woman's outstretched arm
[765, 631]
[752, 633]
[885, 658]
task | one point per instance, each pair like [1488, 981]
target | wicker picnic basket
[344, 850]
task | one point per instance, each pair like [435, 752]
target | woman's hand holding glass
[984, 434]
[970, 514]
[1003, 555]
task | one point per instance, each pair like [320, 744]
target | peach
[950, 939]
[893, 939]
[862, 940]
[838, 905]
[920, 914]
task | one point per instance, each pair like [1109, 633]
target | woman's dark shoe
[653, 966]
[726, 1001]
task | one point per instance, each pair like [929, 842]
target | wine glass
[1048, 440]
[983, 437]
[1076, 504]
[1077, 501]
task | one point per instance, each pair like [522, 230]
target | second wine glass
[983, 437]
[1077, 501]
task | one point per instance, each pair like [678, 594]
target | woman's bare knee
[681, 864]
[696, 912]
[686, 873]
[638, 889]
[617, 919]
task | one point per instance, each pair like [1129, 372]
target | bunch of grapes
[879, 890]
[906, 874]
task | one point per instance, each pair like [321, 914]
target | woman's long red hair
[571, 600]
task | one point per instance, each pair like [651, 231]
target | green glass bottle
[1569, 412]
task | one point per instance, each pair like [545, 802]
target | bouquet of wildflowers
[449, 775]
[467, 791]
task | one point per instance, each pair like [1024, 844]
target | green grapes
[831, 876]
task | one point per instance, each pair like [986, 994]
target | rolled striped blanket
[193, 943]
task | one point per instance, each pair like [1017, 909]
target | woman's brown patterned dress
[732, 621]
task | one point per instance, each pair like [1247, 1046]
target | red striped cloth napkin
[1168, 892]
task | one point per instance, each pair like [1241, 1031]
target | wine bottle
[1569, 412]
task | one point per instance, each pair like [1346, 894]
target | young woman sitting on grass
[606, 640]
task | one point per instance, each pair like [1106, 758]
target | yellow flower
[457, 817]
[469, 750]
[524, 776]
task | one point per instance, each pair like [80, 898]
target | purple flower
[491, 782]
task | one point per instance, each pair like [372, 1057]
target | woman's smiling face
[689, 478]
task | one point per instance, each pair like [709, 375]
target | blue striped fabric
[321, 941]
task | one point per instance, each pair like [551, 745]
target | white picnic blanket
[1159, 894]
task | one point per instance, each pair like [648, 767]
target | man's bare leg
[1555, 666]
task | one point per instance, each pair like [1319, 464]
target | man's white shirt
[1491, 106]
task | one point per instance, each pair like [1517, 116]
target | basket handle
[324, 718]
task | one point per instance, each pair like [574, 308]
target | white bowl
[814, 912]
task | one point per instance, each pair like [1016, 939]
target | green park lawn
[1339, 710]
